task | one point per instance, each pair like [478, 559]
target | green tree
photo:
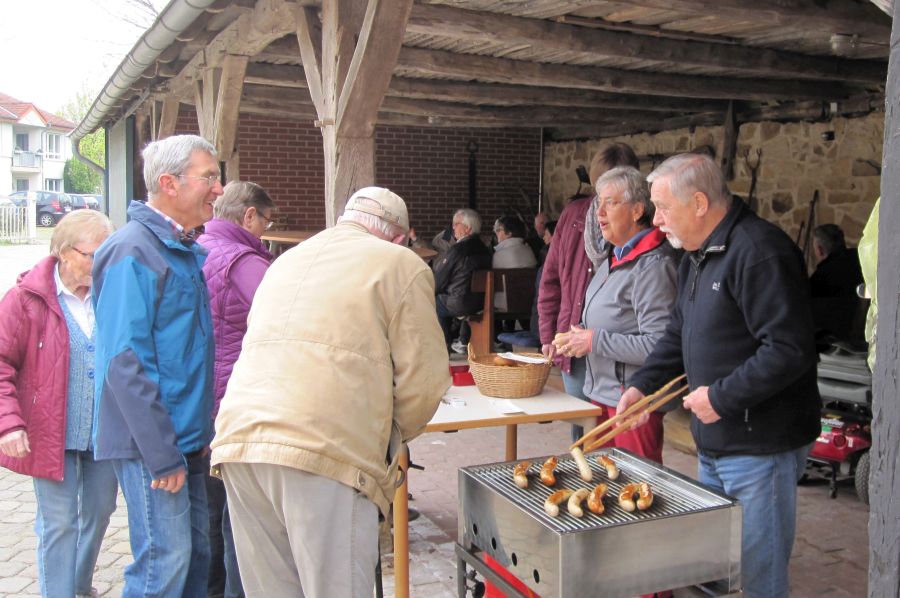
[77, 176]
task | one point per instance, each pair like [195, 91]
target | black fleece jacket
[453, 275]
[742, 326]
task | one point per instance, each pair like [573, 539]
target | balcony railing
[26, 159]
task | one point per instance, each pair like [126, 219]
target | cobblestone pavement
[830, 555]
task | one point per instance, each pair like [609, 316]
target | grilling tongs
[648, 404]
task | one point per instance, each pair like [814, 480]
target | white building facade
[34, 147]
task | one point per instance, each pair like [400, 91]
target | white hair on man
[470, 218]
[689, 173]
[171, 155]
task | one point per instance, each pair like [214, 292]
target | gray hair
[171, 155]
[78, 227]
[633, 186]
[470, 218]
[830, 238]
[238, 197]
[382, 228]
[689, 173]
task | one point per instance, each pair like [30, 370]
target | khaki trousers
[299, 534]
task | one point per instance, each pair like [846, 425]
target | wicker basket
[508, 382]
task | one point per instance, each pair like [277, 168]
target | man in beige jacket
[343, 361]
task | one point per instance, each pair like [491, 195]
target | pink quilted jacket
[34, 371]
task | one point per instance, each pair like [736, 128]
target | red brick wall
[428, 167]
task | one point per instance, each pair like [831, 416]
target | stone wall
[797, 159]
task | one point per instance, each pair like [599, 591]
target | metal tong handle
[631, 410]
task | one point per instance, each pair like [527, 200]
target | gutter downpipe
[174, 19]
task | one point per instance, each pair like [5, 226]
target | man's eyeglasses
[269, 222]
[89, 255]
[210, 180]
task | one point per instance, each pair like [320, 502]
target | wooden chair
[517, 284]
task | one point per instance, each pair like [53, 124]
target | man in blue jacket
[742, 331]
[154, 368]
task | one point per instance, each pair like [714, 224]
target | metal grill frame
[691, 535]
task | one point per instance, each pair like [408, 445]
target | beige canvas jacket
[342, 361]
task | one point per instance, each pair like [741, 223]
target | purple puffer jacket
[234, 268]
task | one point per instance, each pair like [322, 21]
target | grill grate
[673, 494]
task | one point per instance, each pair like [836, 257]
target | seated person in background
[549, 230]
[453, 274]
[535, 237]
[443, 240]
[833, 284]
[532, 336]
[511, 250]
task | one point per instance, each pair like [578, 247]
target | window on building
[22, 141]
[21, 184]
[53, 184]
[54, 143]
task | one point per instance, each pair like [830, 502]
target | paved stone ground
[830, 555]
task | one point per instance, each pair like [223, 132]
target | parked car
[85, 200]
[49, 206]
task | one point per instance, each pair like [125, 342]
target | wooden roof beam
[832, 16]
[503, 70]
[472, 25]
[496, 94]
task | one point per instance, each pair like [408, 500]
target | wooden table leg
[512, 441]
[401, 531]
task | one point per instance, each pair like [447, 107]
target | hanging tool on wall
[753, 168]
[809, 224]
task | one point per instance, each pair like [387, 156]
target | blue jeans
[169, 532]
[573, 382]
[766, 486]
[69, 537]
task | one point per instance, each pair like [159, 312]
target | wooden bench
[518, 283]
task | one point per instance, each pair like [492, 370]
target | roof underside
[579, 68]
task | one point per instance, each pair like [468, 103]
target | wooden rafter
[834, 16]
[502, 70]
[473, 25]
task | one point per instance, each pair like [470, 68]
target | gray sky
[52, 49]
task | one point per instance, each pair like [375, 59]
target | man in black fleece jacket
[742, 331]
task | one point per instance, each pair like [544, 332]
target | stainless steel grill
[690, 535]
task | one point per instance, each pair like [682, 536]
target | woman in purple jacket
[47, 404]
[234, 268]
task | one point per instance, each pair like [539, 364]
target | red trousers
[646, 441]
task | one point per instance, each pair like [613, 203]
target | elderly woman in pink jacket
[233, 269]
[47, 404]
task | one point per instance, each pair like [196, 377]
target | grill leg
[465, 557]
[460, 578]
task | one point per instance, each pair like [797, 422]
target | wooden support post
[348, 65]
[217, 96]
[884, 476]
[729, 144]
[228, 102]
[168, 117]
